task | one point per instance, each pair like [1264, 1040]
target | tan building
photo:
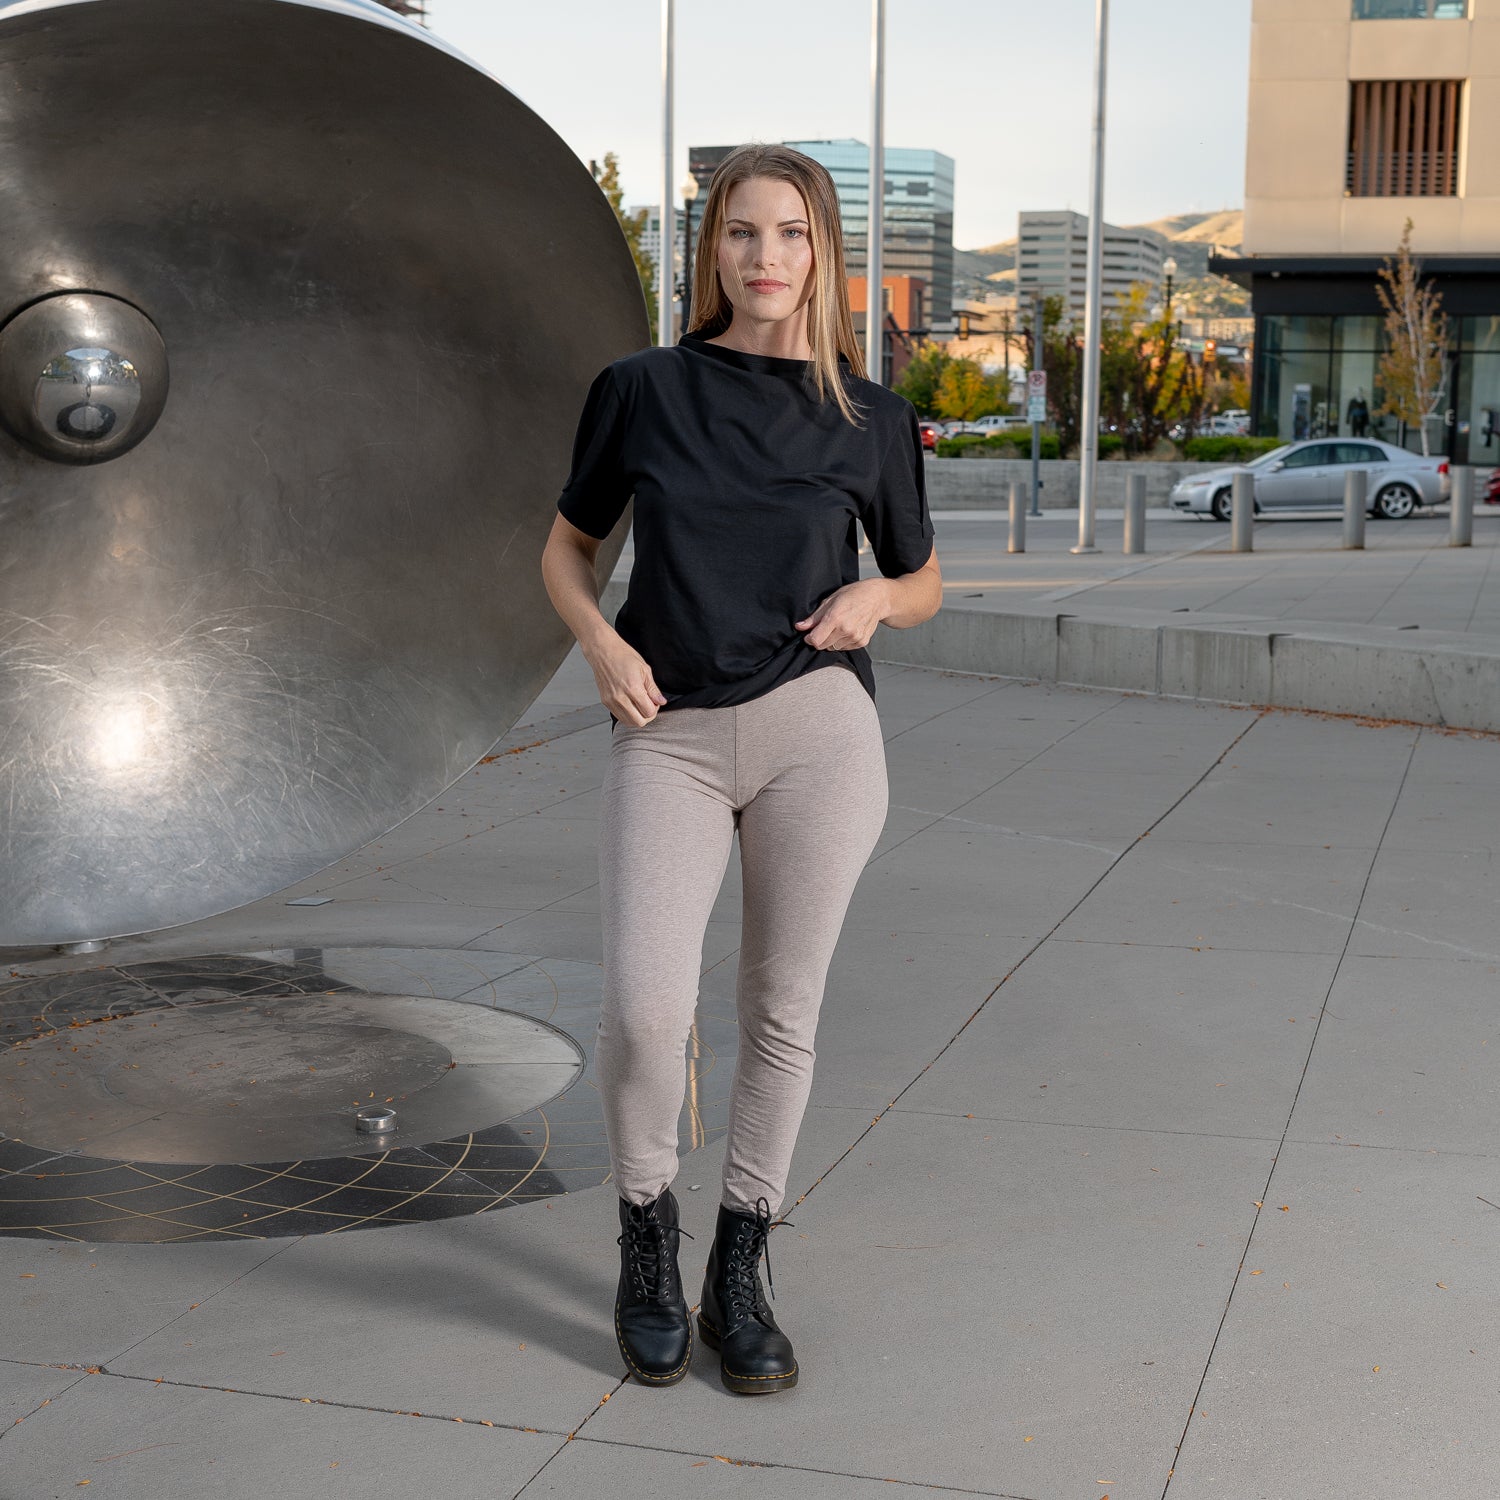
[1364, 113]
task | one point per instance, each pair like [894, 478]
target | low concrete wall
[1427, 677]
[984, 483]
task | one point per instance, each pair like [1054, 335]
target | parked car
[1492, 488]
[1232, 423]
[998, 423]
[1310, 476]
[931, 432]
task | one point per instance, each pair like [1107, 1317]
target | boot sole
[671, 1377]
[744, 1385]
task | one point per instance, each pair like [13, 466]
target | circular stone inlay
[279, 1077]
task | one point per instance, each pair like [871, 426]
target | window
[1411, 10]
[1311, 457]
[1403, 138]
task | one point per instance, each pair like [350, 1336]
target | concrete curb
[1373, 671]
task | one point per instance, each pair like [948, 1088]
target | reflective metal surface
[87, 1195]
[278, 1077]
[83, 378]
[308, 597]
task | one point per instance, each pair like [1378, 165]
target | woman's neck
[786, 339]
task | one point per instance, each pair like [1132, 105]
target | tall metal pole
[1038, 362]
[1088, 440]
[664, 277]
[874, 261]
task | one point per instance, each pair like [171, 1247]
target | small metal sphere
[83, 377]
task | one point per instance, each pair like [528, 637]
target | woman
[752, 447]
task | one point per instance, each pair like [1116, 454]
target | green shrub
[1003, 445]
[1110, 444]
[1227, 450]
[954, 447]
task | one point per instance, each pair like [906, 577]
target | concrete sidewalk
[1407, 576]
[1151, 1152]
[1408, 629]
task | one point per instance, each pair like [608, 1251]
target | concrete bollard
[1135, 513]
[1017, 518]
[1461, 507]
[1242, 514]
[1356, 504]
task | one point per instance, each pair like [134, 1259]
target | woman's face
[765, 255]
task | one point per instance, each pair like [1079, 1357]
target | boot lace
[741, 1283]
[653, 1260]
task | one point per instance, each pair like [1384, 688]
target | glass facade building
[1317, 375]
[918, 210]
[1368, 118]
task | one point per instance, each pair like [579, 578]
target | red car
[931, 432]
[1492, 489]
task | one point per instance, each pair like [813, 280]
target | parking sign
[1036, 396]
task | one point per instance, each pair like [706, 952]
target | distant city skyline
[1005, 91]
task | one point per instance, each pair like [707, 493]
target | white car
[1310, 476]
[1234, 423]
[993, 424]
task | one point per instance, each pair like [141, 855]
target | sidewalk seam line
[1265, 1194]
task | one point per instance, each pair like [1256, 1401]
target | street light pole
[1088, 441]
[874, 262]
[668, 207]
[1038, 362]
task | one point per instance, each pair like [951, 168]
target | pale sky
[1002, 86]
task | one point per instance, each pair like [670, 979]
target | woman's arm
[626, 687]
[913, 597]
[847, 618]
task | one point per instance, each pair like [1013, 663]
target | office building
[903, 301]
[1364, 113]
[1052, 257]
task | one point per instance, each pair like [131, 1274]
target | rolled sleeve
[598, 488]
[896, 518]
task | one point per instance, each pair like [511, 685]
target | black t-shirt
[747, 490]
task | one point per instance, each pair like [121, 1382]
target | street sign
[1036, 396]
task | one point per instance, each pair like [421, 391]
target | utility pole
[1038, 362]
[874, 261]
[1088, 440]
[668, 214]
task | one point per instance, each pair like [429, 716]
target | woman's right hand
[626, 686]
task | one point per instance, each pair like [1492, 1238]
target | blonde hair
[830, 328]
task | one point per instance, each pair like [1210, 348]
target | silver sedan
[1310, 476]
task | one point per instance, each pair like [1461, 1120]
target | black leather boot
[755, 1356]
[651, 1313]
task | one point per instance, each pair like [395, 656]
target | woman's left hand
[847, 618]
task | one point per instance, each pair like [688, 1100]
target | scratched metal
[309, 598]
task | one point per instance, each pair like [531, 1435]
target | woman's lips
[766, 286]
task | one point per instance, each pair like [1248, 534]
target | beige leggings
[800, 772]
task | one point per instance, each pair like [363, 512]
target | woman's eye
[794, 231]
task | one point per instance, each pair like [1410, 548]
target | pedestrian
[742, 701]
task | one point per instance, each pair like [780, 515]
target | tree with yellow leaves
[965, 392]
[632, 226]
[1413, 369]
